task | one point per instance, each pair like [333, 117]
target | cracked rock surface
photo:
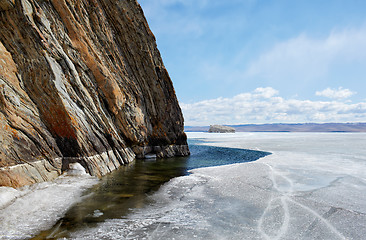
[81, 81]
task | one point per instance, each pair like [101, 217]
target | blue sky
[264, 61]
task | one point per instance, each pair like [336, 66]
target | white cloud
[339, 93]
[263, 105]
[267, 92]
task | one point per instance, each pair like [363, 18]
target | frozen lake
[312, 186]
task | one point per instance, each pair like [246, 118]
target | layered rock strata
[81, 81]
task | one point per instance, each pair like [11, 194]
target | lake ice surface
[30, 209]
[312, 186]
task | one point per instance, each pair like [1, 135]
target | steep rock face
[81, 81]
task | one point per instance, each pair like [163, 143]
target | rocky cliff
[81, 81]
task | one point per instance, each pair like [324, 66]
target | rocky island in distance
[221, 129]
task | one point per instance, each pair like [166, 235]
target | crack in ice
[284, 199]
[286, 220]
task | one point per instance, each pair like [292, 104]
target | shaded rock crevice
[81, 81]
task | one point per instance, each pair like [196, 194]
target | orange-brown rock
[81, 81]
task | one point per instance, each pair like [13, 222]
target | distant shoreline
[289, 127]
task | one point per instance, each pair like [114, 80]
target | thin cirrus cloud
[217, 44]
[307, 58]
[264, 105]
[183, 19]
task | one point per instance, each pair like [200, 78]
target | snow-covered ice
[30, 209]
